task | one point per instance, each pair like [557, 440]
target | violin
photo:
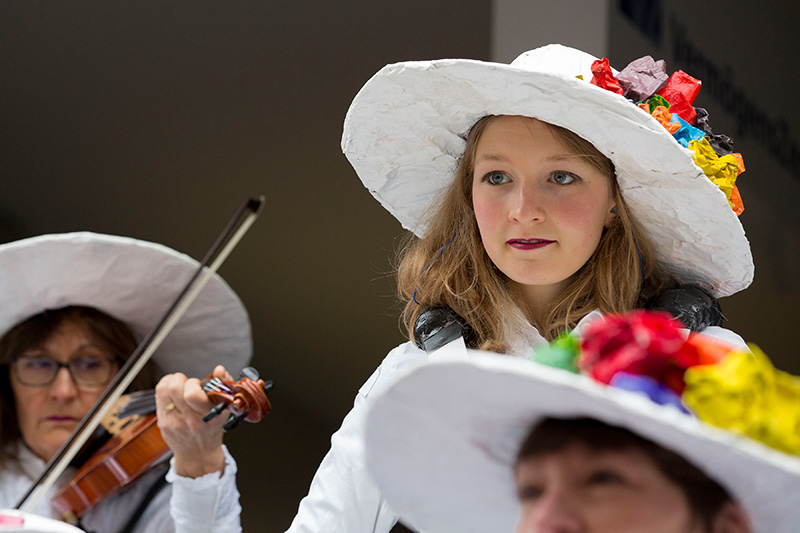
[136, 444]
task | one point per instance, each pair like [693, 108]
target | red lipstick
[528, 244]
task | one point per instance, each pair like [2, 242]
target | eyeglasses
[87, 372]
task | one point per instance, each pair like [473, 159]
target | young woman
[493, 443]
[74, 308]
[540, 201]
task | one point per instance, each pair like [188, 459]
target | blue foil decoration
[650, 387]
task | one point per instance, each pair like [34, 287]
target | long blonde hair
[449, 266]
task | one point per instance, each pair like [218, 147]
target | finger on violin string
[194, 395]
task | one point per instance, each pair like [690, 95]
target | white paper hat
[406, 130]
[441, 443]
[134, 281]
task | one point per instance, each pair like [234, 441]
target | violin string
[216, 385]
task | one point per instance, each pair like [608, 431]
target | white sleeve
[343, 498]
[209, 503]
[725, 335]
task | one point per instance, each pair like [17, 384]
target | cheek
[527, 520]
[20, 395]
[486, 212]
[585, 215]
[27, 404]
[673, 512]
[87, 399]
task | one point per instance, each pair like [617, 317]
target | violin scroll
[246, 399]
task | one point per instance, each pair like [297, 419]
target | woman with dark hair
[74, 307]
[27, 371]
[571, 472]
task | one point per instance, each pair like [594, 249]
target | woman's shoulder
[725, 335]
[400, 359]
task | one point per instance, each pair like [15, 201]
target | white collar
[528, 337]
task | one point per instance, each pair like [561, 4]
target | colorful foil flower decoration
[745, 394]
[651, 353]
[603, 77]
[670, 101]
[643, 78]
[650, 387]
[640, 342]
[680, 92]
[686, 132]
[561, 353]
[720, 170]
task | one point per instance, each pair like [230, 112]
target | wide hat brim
[406, 130]
[134, 281]
[441, 443]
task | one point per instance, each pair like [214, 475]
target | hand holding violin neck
[196, 442]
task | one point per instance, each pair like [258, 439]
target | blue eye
[496, 177]
[562, 177]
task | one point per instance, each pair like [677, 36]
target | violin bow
[241, 221]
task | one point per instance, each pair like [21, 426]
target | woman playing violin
[74, 308]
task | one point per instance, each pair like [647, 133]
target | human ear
[731, 519]
[611, 215]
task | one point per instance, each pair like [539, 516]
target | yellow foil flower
[720, 170]
[745, 394]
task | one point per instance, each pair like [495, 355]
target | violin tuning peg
[268, 385]
[233, 421]
[214, 412]
[250, 373]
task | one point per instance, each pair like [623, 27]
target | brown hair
[705, 496]
[110, 332]
[461, 276]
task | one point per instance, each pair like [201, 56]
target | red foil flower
[639, 342]
[680, 92]
[603, 77]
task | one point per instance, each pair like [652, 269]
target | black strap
[691, 305]
[437, 326]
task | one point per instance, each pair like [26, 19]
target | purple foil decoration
[646, 385]
[642, 78]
